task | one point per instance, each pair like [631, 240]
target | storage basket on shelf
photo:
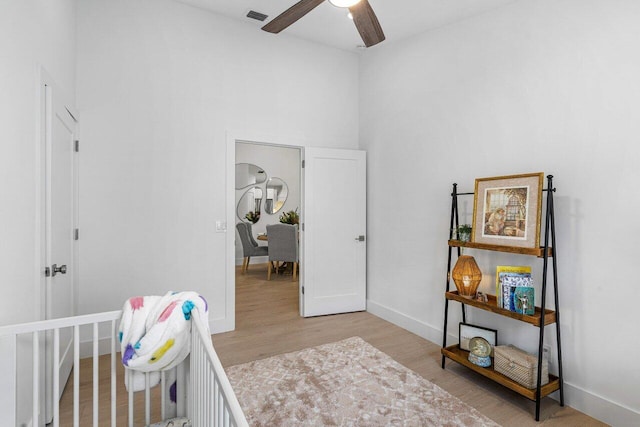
[520, 366]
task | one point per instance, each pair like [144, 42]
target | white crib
[203, 392]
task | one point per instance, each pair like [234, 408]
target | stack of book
[514, 289]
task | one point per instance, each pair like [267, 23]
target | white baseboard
[584, 401]
[599, 407]
[104, 347]
[222, 324]
[424, 330]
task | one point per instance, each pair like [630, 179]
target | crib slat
[180, 391]
[194, 374]
[202, 383]
[206, 413]
[56, 377]
[130, 376]
[198, 396]
[113, 373]
[96, 380]
[163, 397]
[199, 393]
[76, 375]
[36, 379]
[147, 399]
[217, 406]
[215, 386]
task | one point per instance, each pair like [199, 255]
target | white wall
[160, 86]
[277, 162]
[547, 85]
[34, 34]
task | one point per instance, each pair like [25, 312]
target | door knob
[55, 269]
[360, 238]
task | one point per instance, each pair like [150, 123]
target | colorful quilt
[155, 333]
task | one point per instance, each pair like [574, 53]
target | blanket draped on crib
[155, 333]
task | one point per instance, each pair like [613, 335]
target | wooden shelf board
[461, 356]
[498, 248]
[491, 305]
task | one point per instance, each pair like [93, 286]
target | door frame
[229, 323]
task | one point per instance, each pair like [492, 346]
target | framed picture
[468, 331]
[507, 210]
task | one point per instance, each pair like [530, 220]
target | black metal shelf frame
[549, 242]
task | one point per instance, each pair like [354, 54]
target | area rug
[346, 383]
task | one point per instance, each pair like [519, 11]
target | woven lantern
[467, 276]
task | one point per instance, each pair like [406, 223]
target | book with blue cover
[507, 270]
[509, 283]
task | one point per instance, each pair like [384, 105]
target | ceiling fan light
[343, 3]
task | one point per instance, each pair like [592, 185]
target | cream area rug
[346, 383]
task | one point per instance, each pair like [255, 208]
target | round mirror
[277, 192]
[248, 174]
[248, 209]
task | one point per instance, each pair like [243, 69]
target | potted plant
[463, 232]
[290, 217]
[253, 217]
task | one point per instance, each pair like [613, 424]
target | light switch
[221, 226]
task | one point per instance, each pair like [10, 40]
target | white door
[60, 128]
[334, 251]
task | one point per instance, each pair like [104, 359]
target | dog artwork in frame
[507, 210]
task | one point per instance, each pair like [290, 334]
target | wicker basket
[520, 366]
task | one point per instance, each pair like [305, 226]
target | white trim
[576, 397]
[599, 407]
[424, 330]
[76, 210]
[43, 79]
[229, 321]
[219, 325]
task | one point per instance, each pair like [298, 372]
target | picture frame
[466, 331]
[507, 210]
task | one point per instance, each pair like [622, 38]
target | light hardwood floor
[268, 323]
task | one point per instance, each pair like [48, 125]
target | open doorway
[267, 191]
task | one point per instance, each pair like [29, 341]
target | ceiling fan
[363, 17]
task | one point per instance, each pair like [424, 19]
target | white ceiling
[329, 25]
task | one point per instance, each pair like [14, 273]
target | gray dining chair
[249, 246]
[283, 246]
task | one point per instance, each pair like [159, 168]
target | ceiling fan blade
[367, 23]
[291, 15]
